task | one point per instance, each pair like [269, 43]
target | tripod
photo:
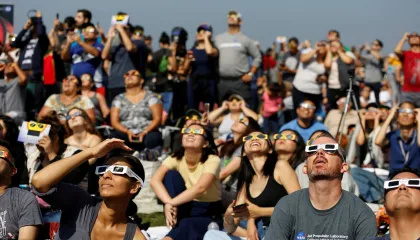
[351, 96]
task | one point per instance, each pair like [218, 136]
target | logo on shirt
[3, 224]
[301, 236]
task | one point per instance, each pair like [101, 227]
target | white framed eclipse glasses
[119, 170]
[392, 184]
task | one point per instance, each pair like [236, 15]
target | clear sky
[357, 20]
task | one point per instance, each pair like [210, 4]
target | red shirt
[411, 62]
[269, 62]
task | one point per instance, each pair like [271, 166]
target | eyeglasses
[76, 114]
[244, 121]
[330, 148]
[119, 170]
[391, 184]
[307, 106]
[6, 156]
[131, 73]
[195, 131]
[258, 136]
[406, 110]
[291, 137]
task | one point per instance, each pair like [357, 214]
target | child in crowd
[272, 104]
[385, 94]
[366, 96]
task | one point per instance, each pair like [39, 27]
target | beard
[324, 174]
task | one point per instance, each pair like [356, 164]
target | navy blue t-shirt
[204, 65]
[84, 62]
[403, 153]
[123, 61]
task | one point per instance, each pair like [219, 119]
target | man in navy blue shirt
[85, 53]
[402, 204]
[305, 123]
[403, 142]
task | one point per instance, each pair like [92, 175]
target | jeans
[193, 217]
[167, 100]
[201, 89]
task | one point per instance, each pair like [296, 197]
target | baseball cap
[374, 105]
[381, 106]
[6, 156]
[205, 27]
[235, 96]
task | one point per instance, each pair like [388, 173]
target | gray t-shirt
[136, 117]
[12, 97]
[306, 75]
[18, 208]
[234, 52]
[373, 68]
[294, 217]
[79, 212]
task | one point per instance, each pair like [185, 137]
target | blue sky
[357, 20]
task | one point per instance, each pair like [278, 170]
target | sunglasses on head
[119, 170]
[195, 131]
[72, 79]
[406, 110]
[307, 106]
[258, 136]
[278, 136]
[330, 148]
[76, 114]
[392, 184]
[193, 117]
[131, 73]
[244, 121]
[234, 100]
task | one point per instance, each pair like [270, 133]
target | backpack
[163, 65]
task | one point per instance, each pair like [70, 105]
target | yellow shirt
[192, 175]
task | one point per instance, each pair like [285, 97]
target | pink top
[271, 104]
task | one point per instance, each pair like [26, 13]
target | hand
[207, 34]
[378, 115]
[254, 210]
[362, 114]
[325, 101]
[111, 33]
[99, 29]
[190, 55]
[417, 112]
[119, 27]
[173, 47]
[28, 24]
[205, 119]
[246, 78]
[229, 213]
[242, 104]
[251, 230]
[131, 135]
[225, 105]
[406, 36]
[38, 14]
[45, 145]
[170, 215]
[56, 23]
[367, 47]
[70, 37]
[317, 45]
[76, 38]
[393, 111]
[141, 136]
[106, 146]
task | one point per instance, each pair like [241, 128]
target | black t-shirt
[162, 83]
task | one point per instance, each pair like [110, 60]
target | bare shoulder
[139, 235]
[95, 139]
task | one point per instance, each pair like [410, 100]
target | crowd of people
[262, 145]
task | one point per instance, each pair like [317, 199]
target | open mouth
[255, 144]
[320, 161]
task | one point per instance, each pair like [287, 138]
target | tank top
[226, 125]
[272, 193]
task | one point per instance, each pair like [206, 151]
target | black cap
[193, 114]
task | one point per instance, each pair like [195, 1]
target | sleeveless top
[226, 125]
[269, 197]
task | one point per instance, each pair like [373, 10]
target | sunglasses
[119, 170]
[131, 73]
[235, 16]
[291, 137]
[195, 131]
[89, 30]
[193, 117]
[244, 121]
[330, 148]
[307, 106]
[6, 156]
[76, 114]
[86, 77]
[391, 184]
[234, 100]
[406, 110]
[72, 79]
[258, 136]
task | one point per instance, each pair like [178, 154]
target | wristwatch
[250, 74]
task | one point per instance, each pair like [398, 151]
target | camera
[179, 35]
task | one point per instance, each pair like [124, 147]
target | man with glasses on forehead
[20, 215]
[404, 141]
[235, 48]
[85, 54]
[305, 123]
[402, 205]
[324, 210]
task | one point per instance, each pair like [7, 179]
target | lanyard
[404, 153]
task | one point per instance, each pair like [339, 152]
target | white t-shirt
[306, 75]
[385, 98]
[333, 79]
[372, 98]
